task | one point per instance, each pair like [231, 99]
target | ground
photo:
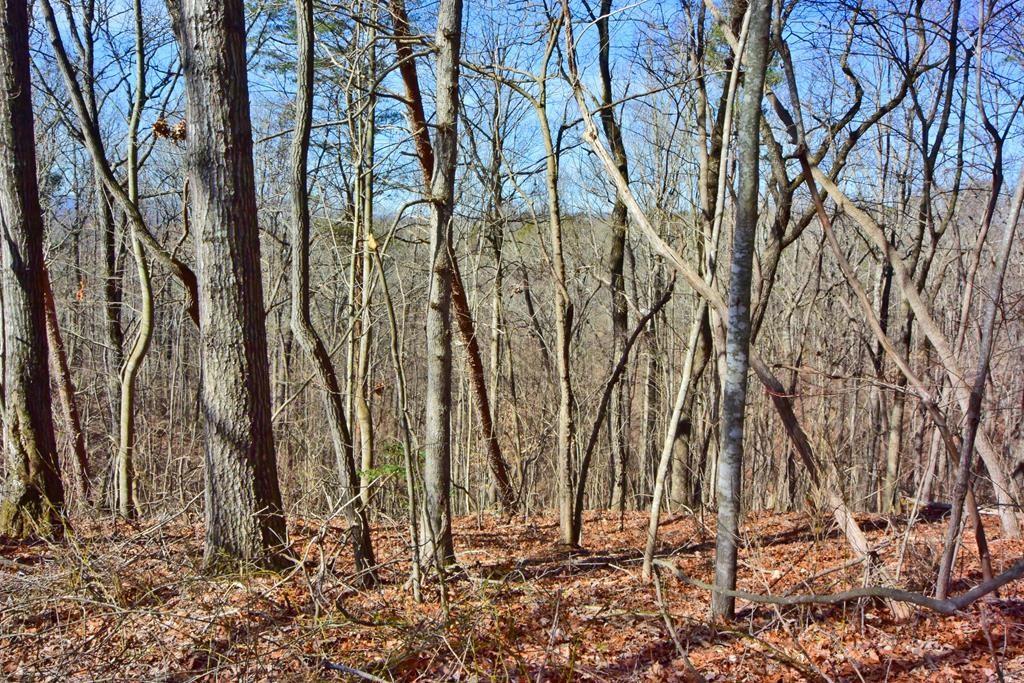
[130, 602]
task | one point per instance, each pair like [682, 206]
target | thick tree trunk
[32, 499]
[244, 518]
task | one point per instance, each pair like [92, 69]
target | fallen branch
[332, 666]
[947, 607]
[680, 650]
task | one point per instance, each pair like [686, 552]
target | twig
[691, 669]
[331, 666]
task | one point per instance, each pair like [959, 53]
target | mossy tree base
[28, 516]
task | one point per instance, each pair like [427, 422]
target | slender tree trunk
[437, 472]
[32, 499]
[133, 364]
[616, 253]
[474, 361]
[126, 436]
[821, 473]
[364, 416]
[244, 517]
[112, 296]
[682, 487]
[302, 328]
[671, 435]
[61, 370]
[734, 386]
[569, 530]
[362, 332]
[408, 453]
[894, 443]
[426, 154]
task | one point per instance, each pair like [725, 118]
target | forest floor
[130, 602]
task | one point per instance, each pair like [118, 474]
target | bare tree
[437, 427]
[734, 384]
[301, 324]
[616, 259]
[243, 502]
[32, 500]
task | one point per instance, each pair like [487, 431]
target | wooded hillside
[549, 341]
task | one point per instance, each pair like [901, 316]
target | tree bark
[302, 328]
[126, 503]
[61, 370]
[244, 518]
[737, 350]
[32, 500]
[682, 490]
[425, 153]
[671, 435]
[613, 133]
[437, 470]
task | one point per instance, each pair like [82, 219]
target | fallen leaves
[125, 604]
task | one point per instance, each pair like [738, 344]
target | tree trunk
[66, 388]
[112, 294]
[126, 443]
[569, 527]
[32, 500]
[683, 492]
[437, 470]
[620, 403]
[302, 328]
[426, 154]
[244, 518]
[737, 350]
[671, 435]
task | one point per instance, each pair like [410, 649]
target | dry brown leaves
[131, 602]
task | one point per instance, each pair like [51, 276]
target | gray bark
[244, 518]
[437, 427]
[737, 351]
